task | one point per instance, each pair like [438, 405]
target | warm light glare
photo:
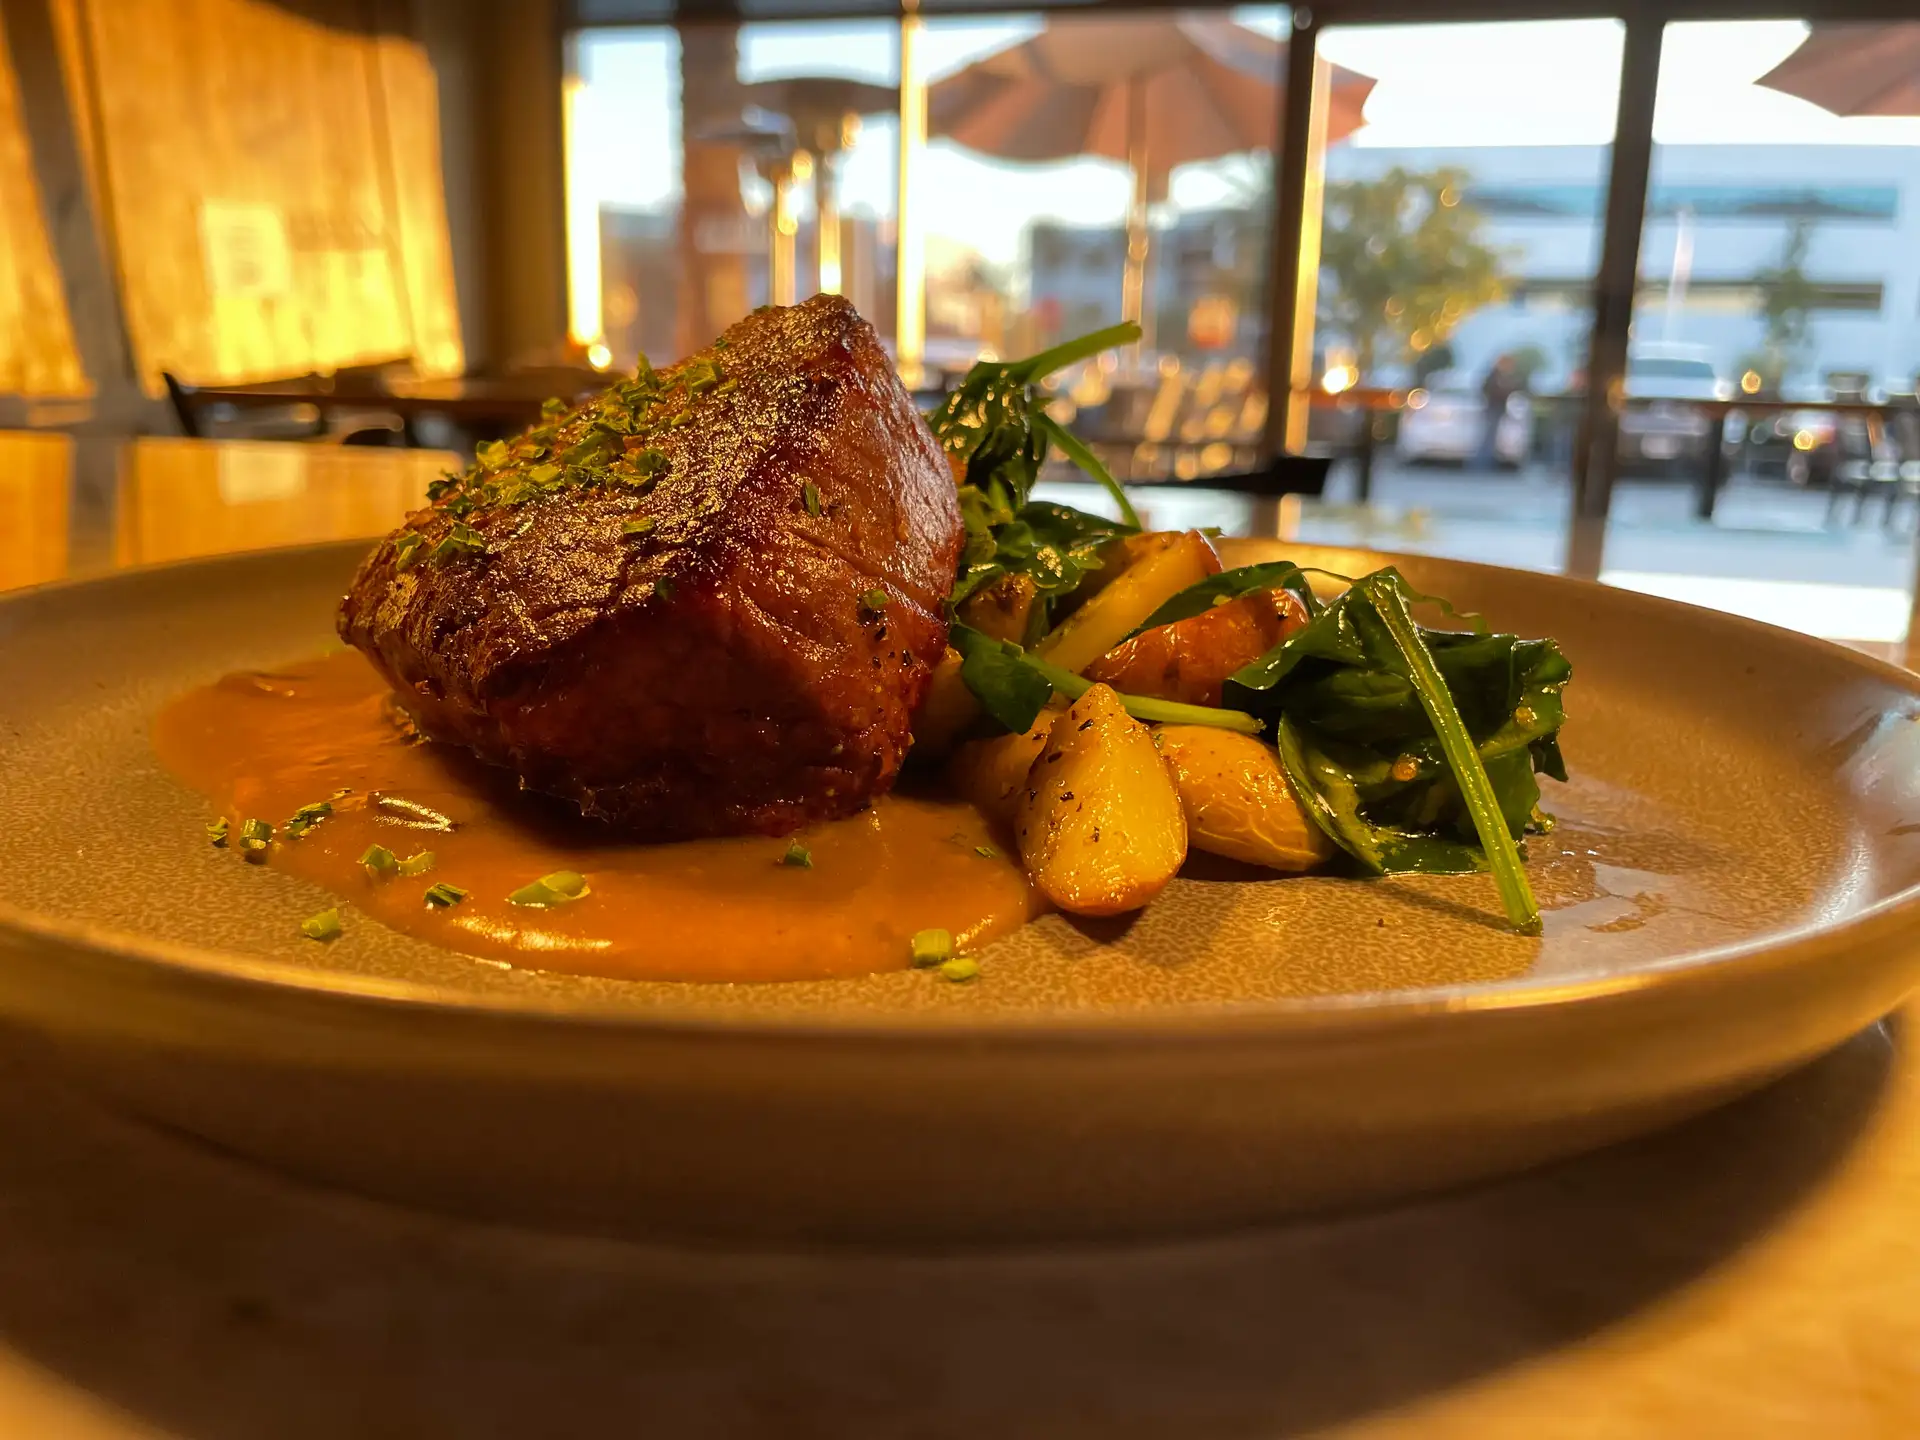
[598, 355]
[584, 324]
[1750, 383]
[910, 278]
[1416, 399]
[1803, 439]
[1339, 378]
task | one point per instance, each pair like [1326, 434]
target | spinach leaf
[1230, 585]
[1012, 692]
[1414, 749]
[1014, 687]
[1054, 546]
[996, 422]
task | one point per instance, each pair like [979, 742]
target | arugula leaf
[1198, 598]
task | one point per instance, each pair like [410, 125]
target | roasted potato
[1100, 826]
[1236, 799]
[947, 709]
[1191, 659]
[1116, 557]
[1001, 609]
[1130, 597]
[992, 773]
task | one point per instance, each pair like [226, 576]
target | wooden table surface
[1753, 1274]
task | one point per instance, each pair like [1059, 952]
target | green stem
[1148, 707]
[1071, 446]
[1503, 856]
[1038, 367]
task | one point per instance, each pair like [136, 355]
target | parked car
[1801, 447]
[1658, 428]
[1446, 419]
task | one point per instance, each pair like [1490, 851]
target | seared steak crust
[718, 621]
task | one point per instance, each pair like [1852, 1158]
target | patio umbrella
[1156, 92]
[1862, 69]
[823, 110]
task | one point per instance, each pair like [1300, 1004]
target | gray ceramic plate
[1731, 890]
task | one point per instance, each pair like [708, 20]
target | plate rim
[1331, 1016]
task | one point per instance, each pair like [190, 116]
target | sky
[1532, 83]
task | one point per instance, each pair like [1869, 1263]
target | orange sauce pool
[263, 744]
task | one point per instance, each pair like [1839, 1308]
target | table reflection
[69, 508]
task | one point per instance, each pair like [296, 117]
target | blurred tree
[1786, 306]
[1432, 360]
[1403, 263]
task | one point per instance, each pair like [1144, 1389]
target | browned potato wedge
[1100, 826]
[1130, 597]
[1191, 659]
[1237, 800]
[1001, 609]
[1116, 557]
[947, 709]
[992, 773]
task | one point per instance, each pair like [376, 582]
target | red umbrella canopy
[1204, 87]
[1854, 69]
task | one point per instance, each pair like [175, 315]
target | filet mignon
[705, 603]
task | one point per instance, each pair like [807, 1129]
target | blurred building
[1718, 216]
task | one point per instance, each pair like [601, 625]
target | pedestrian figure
[1500, 386]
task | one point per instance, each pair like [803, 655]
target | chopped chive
[324, 926]
[960, 968]
[442, 896]
[416, 864]
[254, 837]
[306, 817]
[491, 454]
[874, 599]
[217, 833]
[380, 862]
[798, 857]
[552, 408]
[986, 852]
[558, 888]
[641, 526]
[406, 550]
[932, 947]
[810, 497]
[545, 474]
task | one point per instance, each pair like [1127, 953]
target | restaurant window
[1458, 244]
[1769, 452]
[713, 168]
[1090, 168]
